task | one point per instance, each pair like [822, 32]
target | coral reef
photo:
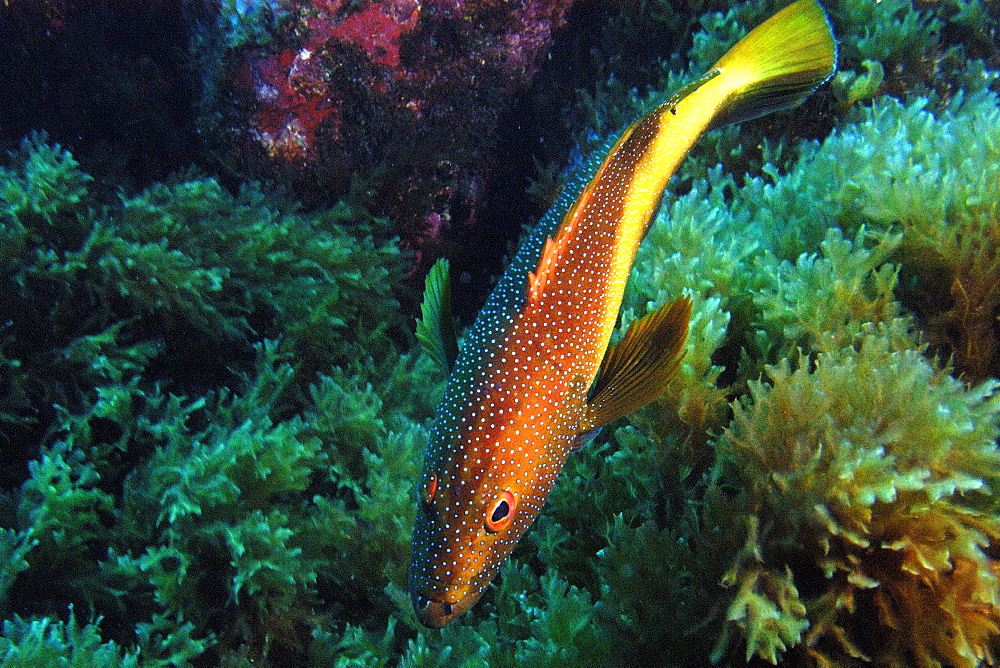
[211, 419]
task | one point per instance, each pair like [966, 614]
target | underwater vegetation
[156, 355]
[212, 413]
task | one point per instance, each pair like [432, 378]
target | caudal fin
[778, 64]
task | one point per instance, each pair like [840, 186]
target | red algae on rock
[291, 92]
[415, 64]
[376, 29]
[412, 91]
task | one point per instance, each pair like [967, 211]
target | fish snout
[436, 614]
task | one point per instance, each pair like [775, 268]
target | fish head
[474, 506]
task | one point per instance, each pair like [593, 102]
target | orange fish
[536, 373]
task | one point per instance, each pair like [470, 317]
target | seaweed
[868, 471]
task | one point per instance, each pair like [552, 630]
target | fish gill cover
[212, 417]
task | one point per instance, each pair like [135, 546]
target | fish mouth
[436, 614]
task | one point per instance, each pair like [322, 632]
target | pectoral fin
[436, 329]
[637, 368]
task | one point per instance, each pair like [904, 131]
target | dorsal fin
[546, 261]
[436, 329]
[637, 368]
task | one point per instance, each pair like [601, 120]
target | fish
[537, 374]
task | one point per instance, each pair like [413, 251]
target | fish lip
[435, 614]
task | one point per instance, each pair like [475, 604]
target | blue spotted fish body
[536, 372]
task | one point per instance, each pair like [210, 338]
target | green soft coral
[219, 261]
[765, 607]
[890, 31]
[244, 493]
[43, 185]
[933, 176]
[167, 513]
[184, 271]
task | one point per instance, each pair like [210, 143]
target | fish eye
[430, 488]
[500, 512]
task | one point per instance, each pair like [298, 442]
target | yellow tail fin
[778, 64]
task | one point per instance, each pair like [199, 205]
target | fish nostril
[446, 609]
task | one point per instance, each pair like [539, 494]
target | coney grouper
[537, 374]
